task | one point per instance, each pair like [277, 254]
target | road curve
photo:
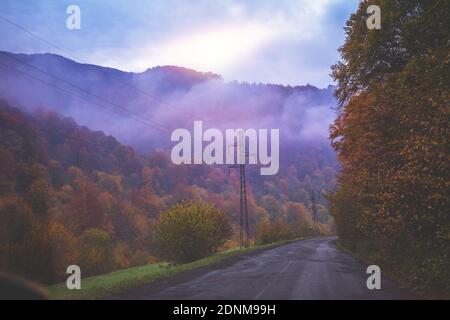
[305, 269]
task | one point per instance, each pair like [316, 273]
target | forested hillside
[69, 195]
[392, 136]
[142, 109]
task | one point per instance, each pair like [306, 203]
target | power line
[89, 93]
[37, 37]
[69, 92]
[73, 56]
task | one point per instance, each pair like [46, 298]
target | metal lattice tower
[243, 208]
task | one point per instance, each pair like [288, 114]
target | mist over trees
[392, 138]
[142, 109]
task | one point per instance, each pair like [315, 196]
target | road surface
[305, 269]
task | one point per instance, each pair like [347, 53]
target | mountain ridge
[206, 74]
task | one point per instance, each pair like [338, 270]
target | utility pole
[244, 204]
[243, 209]
[314, 209]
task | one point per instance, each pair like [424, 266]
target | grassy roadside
[112, 283]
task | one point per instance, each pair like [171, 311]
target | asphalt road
[305, 269]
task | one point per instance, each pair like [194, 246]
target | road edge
[136, 292]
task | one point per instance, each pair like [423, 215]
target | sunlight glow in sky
[269, 41]
[208, 50]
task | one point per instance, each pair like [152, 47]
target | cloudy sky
[270, 41]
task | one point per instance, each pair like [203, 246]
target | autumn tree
[392, 137]
[298, 219]
[273, 231]
[85, 210]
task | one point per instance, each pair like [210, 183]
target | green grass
[112, 283]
